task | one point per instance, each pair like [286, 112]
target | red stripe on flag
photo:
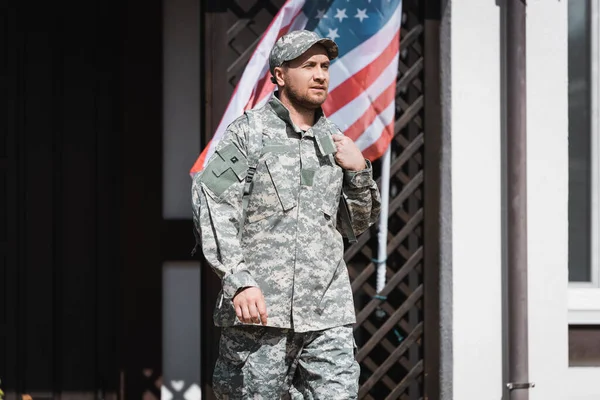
[264, 88]
[377, 149]
[359, 82]
[376, 108]
[199, 164]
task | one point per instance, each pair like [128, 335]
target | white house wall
[477, 245]
[547, 178]
[476, 229]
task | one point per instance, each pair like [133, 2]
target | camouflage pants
[270, 363]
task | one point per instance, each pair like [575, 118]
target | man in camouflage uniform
[286, 304]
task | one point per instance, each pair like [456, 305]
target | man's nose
[320, 74]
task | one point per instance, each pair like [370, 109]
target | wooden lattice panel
[389, 327]
[243, 36]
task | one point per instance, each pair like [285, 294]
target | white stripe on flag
[375, 130]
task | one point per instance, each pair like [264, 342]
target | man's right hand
[250, 306]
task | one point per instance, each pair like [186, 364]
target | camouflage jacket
[290, 245]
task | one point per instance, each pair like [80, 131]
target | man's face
[305, 80]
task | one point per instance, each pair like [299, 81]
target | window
[584, 161]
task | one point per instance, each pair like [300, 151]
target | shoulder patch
[226, 168]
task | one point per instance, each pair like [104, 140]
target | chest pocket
[275, 187]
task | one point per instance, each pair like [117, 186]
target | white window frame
[584, 297]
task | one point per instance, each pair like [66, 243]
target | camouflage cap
[293, 44]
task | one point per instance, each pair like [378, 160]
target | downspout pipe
[516, 112]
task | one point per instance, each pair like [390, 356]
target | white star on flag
[361, 14]
[332, 34]
[341, 14]
[321, 14]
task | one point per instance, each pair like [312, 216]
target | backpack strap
[253, 149]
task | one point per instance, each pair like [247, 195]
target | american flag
[362, 82]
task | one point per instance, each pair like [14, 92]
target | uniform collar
[284, 114]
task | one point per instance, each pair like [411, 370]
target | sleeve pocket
[226, 168]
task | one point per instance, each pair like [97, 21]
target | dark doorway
[80, 175]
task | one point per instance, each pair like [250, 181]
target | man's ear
[278, 76]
